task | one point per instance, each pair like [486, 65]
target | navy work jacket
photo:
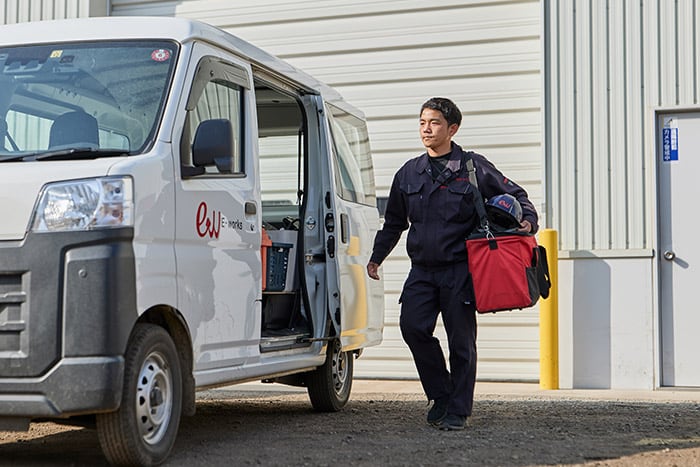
[440, 214]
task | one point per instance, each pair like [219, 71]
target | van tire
[143, 430]
[330, 384]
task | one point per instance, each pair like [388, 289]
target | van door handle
[344, 228]
[250, 208]
[330, 246]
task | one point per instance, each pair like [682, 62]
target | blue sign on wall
[670, 142]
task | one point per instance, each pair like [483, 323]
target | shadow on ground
[280, 429]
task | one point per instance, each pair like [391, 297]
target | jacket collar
[454, 163]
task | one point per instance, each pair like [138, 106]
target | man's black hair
[446, 107]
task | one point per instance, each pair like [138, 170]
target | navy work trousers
[427, 293]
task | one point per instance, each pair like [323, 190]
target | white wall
[606, 328]
[608, 65]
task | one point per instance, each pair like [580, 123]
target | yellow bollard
[549, 316]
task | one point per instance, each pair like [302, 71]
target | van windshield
[73, 99]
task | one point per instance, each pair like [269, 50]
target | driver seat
[74, 129]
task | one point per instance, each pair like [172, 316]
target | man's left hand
[525, 226]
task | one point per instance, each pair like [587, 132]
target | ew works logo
[208, 225]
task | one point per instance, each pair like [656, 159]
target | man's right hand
[373, 270]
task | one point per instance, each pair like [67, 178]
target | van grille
[12, 321]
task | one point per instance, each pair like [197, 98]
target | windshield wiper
[14, 158]
[66, 154]
[79, 153]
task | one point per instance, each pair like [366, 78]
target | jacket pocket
[458, 202]
[414, 200]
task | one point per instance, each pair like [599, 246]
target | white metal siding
[387, 58]
[19, 11]
[608, 64]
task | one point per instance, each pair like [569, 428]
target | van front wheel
[143, 430]
[330, 384]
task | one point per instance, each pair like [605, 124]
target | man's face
[435, 133]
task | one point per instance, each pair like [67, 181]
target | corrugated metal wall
[609, 63]
[387, 57]
[19, 11]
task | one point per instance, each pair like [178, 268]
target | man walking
[432, 198]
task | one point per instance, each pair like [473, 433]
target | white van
[180, 210]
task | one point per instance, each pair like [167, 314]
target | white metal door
[361, 317]
[678, 161]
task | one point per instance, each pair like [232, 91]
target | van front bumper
[74, 386]
[67, 307]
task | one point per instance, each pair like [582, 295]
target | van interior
[283, 146]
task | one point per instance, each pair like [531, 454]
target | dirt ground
[275, 426]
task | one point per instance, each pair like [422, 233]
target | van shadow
[51, 444]
[282, 429]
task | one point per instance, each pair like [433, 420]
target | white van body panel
[154, 225]
[360, 326]
[217, 249]
[361, 317]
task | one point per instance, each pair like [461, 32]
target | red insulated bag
[509, 270]
[506, 270]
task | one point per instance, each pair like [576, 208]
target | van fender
[172, 321]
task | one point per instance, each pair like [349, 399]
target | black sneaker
[453, 422]
[438, 411]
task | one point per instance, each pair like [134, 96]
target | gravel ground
[385, 425]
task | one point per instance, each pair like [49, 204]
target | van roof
[158, 27]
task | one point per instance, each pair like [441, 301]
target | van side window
[353, 160]
[214, 109]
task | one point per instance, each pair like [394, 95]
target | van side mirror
[213, 145]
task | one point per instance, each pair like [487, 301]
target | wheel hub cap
[340, 372]
[154, 398]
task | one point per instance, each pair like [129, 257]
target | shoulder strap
[478, 197]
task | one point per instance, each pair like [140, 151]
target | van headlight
[97, 203]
